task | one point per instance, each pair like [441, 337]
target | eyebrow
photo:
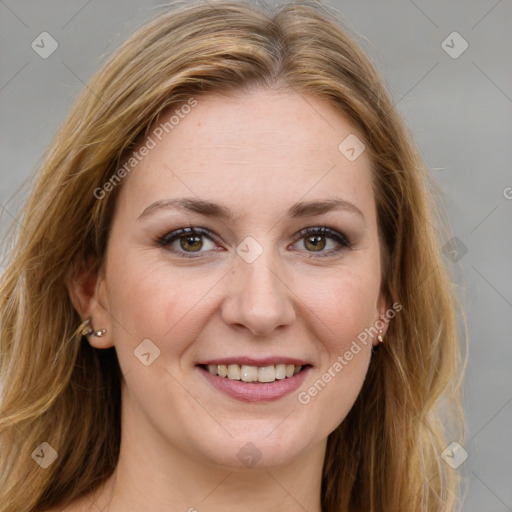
[214, 210]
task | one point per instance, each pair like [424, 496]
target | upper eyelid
[211, 234]
[181, 232]
[325, 231]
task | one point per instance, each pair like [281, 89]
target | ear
[382, 318]
[87, 290]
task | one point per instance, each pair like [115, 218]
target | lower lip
[256, 391]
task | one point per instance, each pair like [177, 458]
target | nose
[258, 297]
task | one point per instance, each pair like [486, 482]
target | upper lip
[253, 361]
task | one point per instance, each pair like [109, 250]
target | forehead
[257, 149]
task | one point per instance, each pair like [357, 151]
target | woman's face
[249, 293]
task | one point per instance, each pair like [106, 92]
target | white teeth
[267, 374]
[280, 371]
[223, 370]
[234, 372]
[248, 373]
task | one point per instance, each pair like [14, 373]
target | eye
[190, 242]
[316, 239]
[187, 241]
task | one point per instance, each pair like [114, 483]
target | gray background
[459, 110]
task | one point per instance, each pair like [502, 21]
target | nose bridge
[258, 297]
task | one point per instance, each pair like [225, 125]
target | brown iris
[191, 243]
[317, 242]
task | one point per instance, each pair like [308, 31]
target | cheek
[344, 311]
[150, 299]
[344, 303]
[343, 307]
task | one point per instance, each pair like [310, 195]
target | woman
[228, 292]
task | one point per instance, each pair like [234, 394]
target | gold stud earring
[379, 337]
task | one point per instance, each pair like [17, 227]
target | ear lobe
[86, 287]
[382, 320]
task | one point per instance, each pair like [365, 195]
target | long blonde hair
[385, 456]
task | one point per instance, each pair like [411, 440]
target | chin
[248, 452]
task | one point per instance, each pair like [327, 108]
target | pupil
[191, 241]
[317, 242]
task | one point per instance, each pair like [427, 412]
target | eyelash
[323, 231]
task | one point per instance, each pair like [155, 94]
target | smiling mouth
[255, 374]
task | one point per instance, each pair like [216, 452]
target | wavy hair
[385, 455]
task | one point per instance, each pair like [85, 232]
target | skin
[258, 153]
